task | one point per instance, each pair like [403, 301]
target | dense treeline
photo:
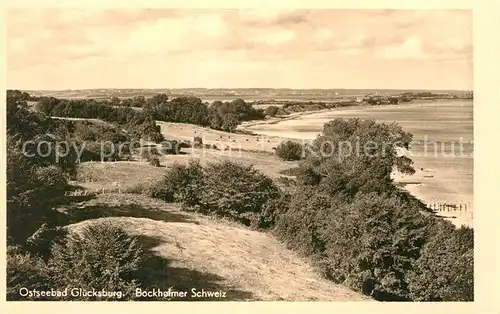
[139, 124]
[345, 212]
[221, 116]
[35, 181]
[38, 165]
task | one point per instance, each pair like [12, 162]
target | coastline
[430, 183]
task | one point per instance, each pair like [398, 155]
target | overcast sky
[164, 48]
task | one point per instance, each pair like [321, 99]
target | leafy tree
[272, 111]
[158, 99]
[355, 155]
[289, 150]
[139, 101]
[393, 100]
[115, 101]
[229, 123]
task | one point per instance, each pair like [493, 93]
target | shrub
[224, 188]
[235, 190]
[100, 256]
[161, 191]
[369, 244]
[40, 243]
[445, 269]
[289, 150]
[25, 271]
[295, 171]
[183, 183]
[154, 161]
[173, 147]
[272, 210]
[272, 111]
[149, 152]
[197, 141]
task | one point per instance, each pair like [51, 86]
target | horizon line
[240, 88]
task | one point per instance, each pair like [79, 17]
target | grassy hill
[188, 250]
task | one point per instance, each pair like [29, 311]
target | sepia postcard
[240, 154]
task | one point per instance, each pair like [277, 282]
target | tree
[115, 101]
[393, 100]
[289, 150]
[229, 122]
[450, 277]
[272, 111]
[139, 101]
[158, 99]
[354, 155]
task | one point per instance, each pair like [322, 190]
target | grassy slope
[192, 250]
[183, 131]
[196, 251]
[97, 175]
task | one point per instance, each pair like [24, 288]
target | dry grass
[131, 175]
[127, 175]
[248, 264]
[96, 121]
[183, 131]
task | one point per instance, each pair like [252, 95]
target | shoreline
[458, 218]
[291, 116]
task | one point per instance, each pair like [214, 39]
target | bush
[25, 271]
[289, 150]
[273, 209]
[369, 244]
[272, 111]
[154, 161]
[149, 152]
[161, 191]
[183, 183]
[197, 141]
[224, 189]
[100, 256]
[173, 147]
[235, 190]
[445, 269]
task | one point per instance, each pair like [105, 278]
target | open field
[96, 121]
[125, 175]
[444, 170]
[187, 252]
[183, 131]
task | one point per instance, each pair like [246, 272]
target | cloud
[411, 48]
[270, 17]
[275, 38]
[143, 39]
